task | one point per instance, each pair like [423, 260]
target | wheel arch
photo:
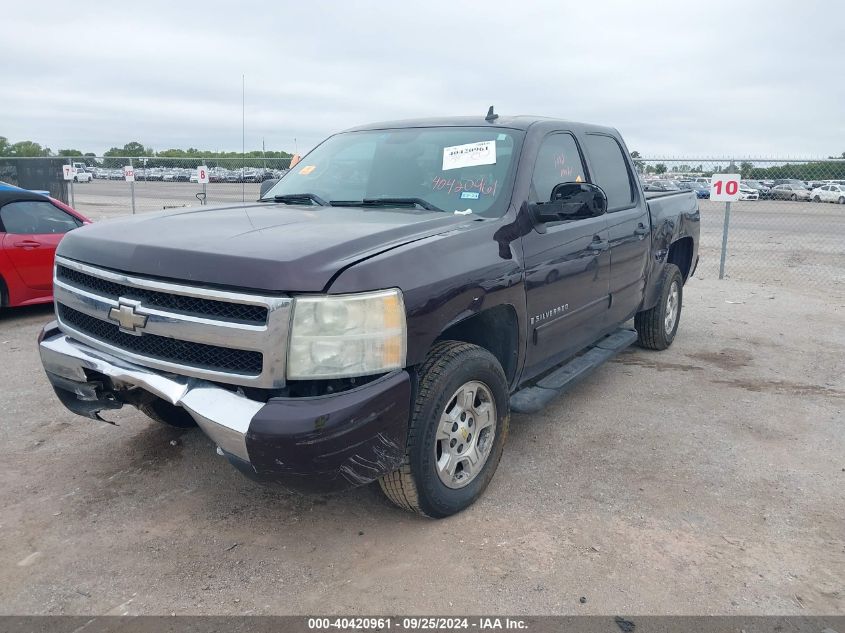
[495, 329]
[680, 254]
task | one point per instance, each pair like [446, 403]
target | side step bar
[534, 398]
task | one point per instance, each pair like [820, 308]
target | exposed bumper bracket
[223, 415]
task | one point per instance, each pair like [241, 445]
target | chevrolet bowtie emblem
[130, 321]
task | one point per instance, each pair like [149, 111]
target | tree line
[832, 168]
[190, 157]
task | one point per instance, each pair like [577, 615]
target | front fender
[445, 279]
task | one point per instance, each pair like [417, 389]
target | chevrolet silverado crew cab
[383, 308]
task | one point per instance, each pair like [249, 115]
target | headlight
[334, 336]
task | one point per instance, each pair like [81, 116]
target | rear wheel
[816, 199]
[841, 200]
[793, 197]
[167, 413]
[656, 328]
[457, 432]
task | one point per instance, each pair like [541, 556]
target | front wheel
[456, 434]
[656, 328]
[793, 197]
[816, 199]
[841, 200]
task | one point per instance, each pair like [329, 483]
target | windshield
[448, 168]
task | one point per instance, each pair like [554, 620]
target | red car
[31, 226]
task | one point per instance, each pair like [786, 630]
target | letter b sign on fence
[724, 187]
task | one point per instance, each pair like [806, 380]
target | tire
[418, 485]
[166, 413]
[793, 197]
[816, 199]
[653, 329]
[841, 200]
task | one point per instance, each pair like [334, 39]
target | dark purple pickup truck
[383, 308]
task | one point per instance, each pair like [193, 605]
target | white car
[829, 193]
[80, 175]
[747, 193]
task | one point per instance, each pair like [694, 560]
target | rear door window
[610, 170]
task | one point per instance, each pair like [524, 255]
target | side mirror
[571, 201]
[267, 185]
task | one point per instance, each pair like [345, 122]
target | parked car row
[178, 174]
[221, 174]
[780, 189]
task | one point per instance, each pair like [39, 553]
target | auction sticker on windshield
[470, 155]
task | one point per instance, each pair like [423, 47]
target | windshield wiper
[294, 198]
[386, 202]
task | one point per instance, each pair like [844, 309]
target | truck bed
[670, 204]
[650, 195]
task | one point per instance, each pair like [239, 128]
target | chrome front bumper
[223, 415]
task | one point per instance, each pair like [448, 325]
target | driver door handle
[27, 244]
[641, 229]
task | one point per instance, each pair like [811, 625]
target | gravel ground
[707, 479]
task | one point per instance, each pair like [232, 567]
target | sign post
[129, 176]
[202, 178]
[724, 188]
[67, 174]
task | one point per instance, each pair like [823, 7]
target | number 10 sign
[724, 187]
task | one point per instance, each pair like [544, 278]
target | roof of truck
[519, 122]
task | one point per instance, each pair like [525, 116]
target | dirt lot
[707, 479]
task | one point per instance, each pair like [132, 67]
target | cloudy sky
[715, 78]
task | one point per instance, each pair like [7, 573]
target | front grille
[189, 305]
[199, 355]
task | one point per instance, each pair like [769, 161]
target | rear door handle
[599, 244]
[27, 244]
[641, 229]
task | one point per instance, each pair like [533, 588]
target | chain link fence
[100, 190]
[789, 228]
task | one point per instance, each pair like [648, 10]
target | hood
[269, 247]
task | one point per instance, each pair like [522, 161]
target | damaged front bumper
[316, 444]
